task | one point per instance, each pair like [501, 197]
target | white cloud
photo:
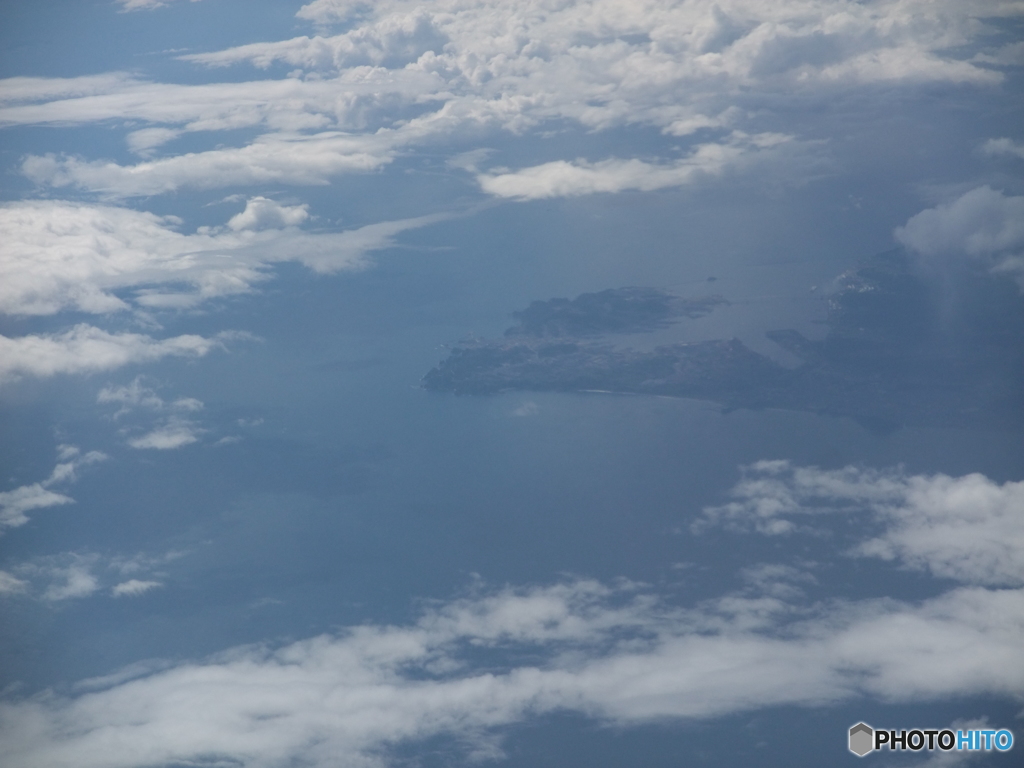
[19, 90]
[143, 562]
[288, 159]
[66, 576]
[16, 503]
[352, 101]
[57, 255]
[76, 575]
[982, 222]
[86, 349]
[560, 178]
[131, 396]
[10, 584]
[133, 587]
[143, 5]
[176, 433]
[398, 37]
[135, 395]
[145, 140]
[71, 582]
[405, 75]
[966, 528]
[1003, 146]
[613, 654]
[617, 654]
[261, 213]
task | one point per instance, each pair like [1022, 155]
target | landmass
[904, 347]
[617, 310]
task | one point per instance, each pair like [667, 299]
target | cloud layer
[405, 76]
[605, 653]
[615, 653]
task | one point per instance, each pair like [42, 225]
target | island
[903, 347]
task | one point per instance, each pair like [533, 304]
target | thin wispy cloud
[1004, 147]
[133, 588]
[175, 433]
[85, 574]
[136, 395]
[143, 5]
[17, 503]
[88, 349]
[174, 429]
[100, 259]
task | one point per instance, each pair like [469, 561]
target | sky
[235, 530]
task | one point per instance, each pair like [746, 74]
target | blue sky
[234, 528]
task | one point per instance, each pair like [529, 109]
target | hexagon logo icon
[862, 738]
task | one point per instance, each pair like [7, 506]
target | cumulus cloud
[133, 588]
[16, 503]
[610, 653]
[966, 528]
[87, 349]
[57, 255]
[261, 213]
[396, 38]
[404, 75]
[982, 222]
